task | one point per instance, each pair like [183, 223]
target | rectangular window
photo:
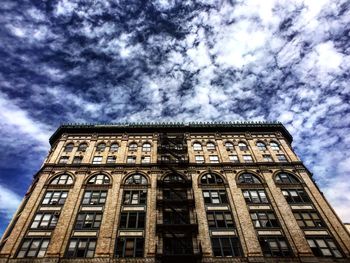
[111, 159]
[77, 159]
[220, 219]
[94, 197]
[199, 159]
[215, 196]
[214, 159]
[308, 219]
[145, 159]
[45, 220]
[133, 220]
[247, 158]
[295, 196]
[281, 158]
[88, 220]
[130, 247]
[267, 158]
[324, 247]
[275, 247]
[234, 158]
[131, 159]
[226, 247]
[63, 159]
[33, 248]
[97, 160]
[55, 198]
[264, 219]
[255, 196]
[81, 248]
[135, 197]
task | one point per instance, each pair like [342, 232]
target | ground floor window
[226, 247]
[130, 247]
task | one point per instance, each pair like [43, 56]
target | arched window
[146, 147]
[136, 179]
[99, 179]
[274, 146]
[173, 178]
[114, 147]
[62, 179]
[261, 146]
[242, 146]
[101, 147]
[133, 147]
[211, 179]
[197, 146]
[210, 146]
[286, 178]
[69, 147]
[82, 147]
[248, 178]
[229, 146]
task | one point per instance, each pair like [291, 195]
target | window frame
[275, 146]
[132, 147]
[229, 146]
[52, 196]
[95, 161]
[86, 248]
[235, 157]
[261, 146]
[234, 243]
[146, 149]
[291, 199]
[199, 161]
[101, 147]
[91, 197]
[206, 180]
[266, 247]
[51, 223]
[269, 221]
[145, 157]
[63, 160]
[82, 147]
[267, 158]
[249, 160]
[212, 146]
[80, 224]
[289, 179]
[317, 250]
[131, 159]
[243, 178]
[127, 224]
[264, 200]
[197, 146]
[317, 222]
[68, 181]
[217, 160]
[243, 146]
[114, 147]
[141, 200]
[75, 158]
[220, 192]
[284, 159]
[120, 253]
[69, 147]
[42, 240]
[216, 223]
[95, 179]
[132, 181]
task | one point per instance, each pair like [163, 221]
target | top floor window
[243, 146]
[211, 179]
[82, 147]
[261, 146]
[133, 147]
[286, 178]
[210, 146]
[62, 179]
[197, 146]
[101, 147]
[114, 147]
[248, 178]
[146, 147]
[99, 179]
[274, 146]
[173, 178]
[136, 179]
[69, 147]
[229, 146]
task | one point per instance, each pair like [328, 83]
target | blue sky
[117, 61]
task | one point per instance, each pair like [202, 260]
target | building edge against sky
[170, 192]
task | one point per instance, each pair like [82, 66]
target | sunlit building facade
[173, 192]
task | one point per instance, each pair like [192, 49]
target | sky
[70, 61]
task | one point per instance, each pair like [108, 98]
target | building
[347, 226]
[173, 192]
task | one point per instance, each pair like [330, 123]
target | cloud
[9, 202]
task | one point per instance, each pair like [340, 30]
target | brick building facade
[214, 192]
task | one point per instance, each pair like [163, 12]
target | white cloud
[9, 202]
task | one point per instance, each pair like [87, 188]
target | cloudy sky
[116, 61]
